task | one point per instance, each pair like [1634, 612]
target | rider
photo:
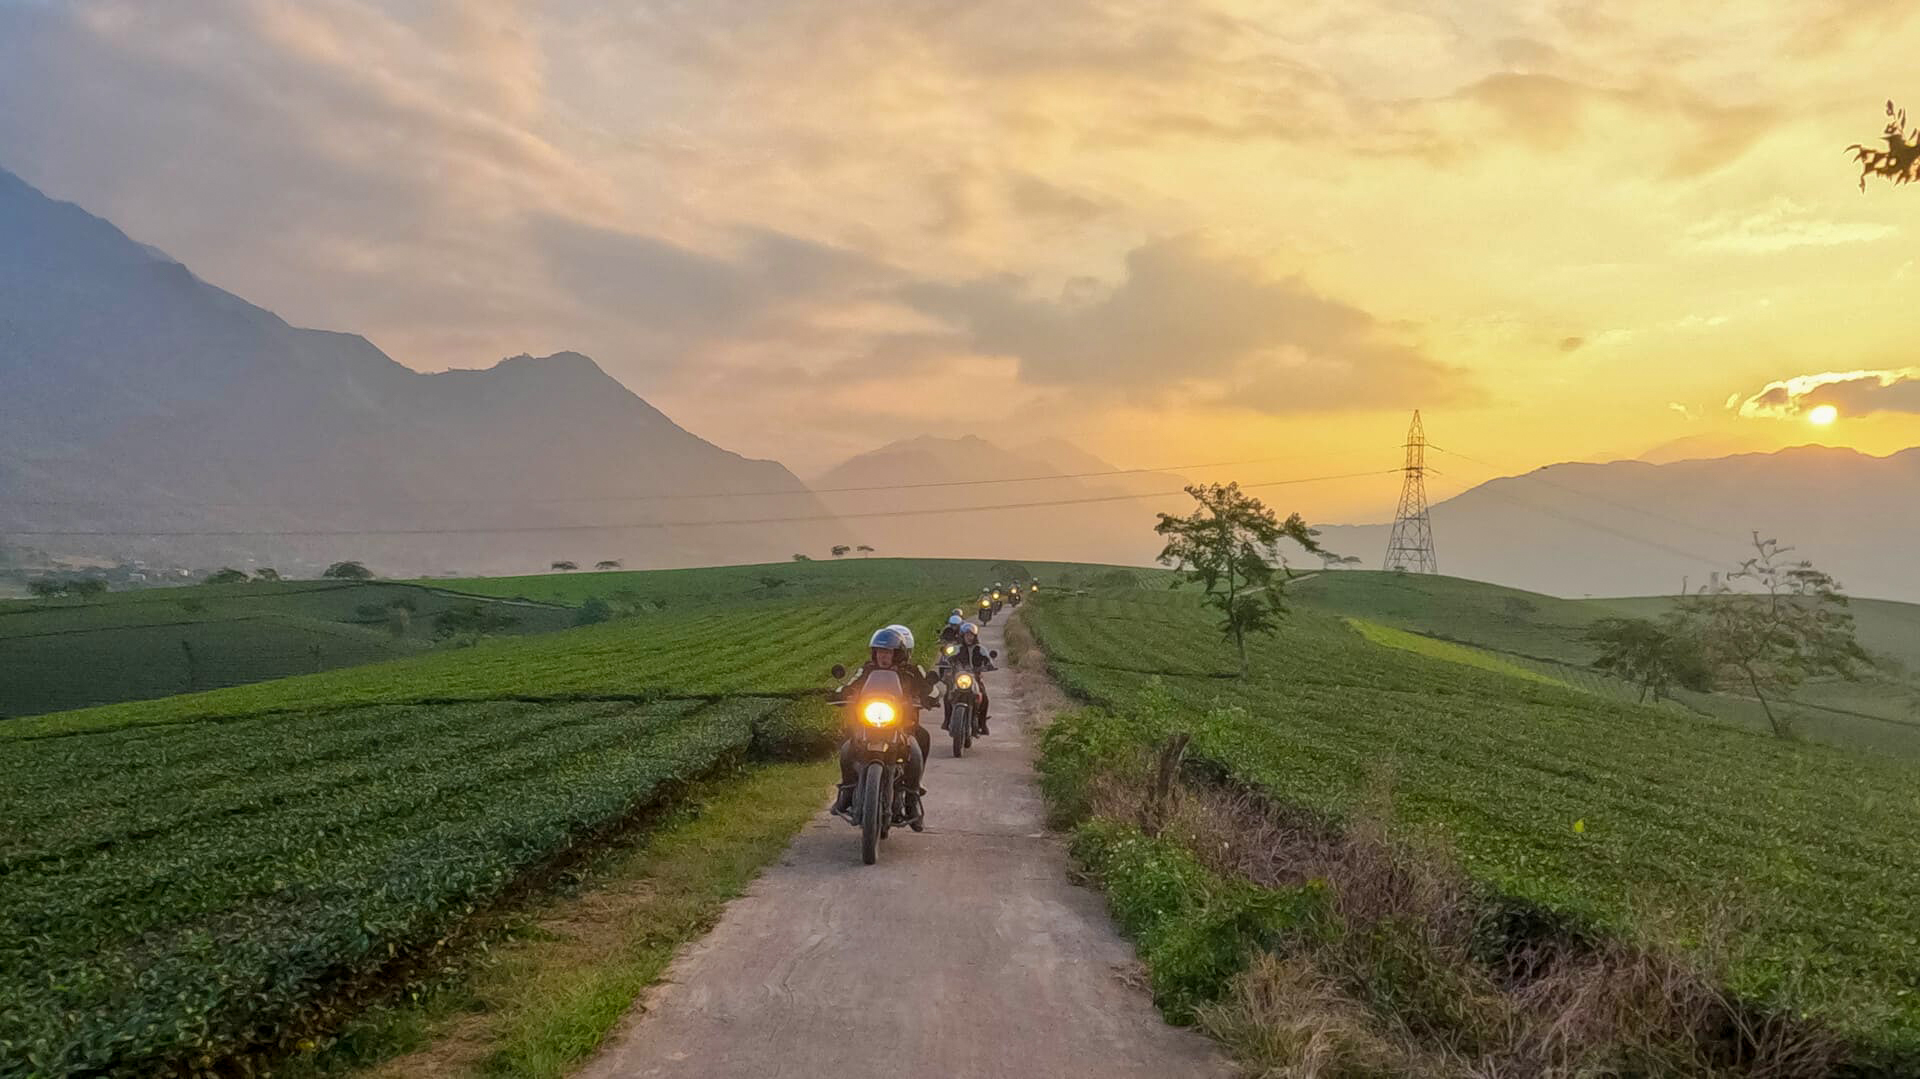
[951, 631]
[890, 649]
[972, 657]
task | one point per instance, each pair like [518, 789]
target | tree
[266, 573]
[606, 564]
[1331, 560]
[348, 571]
[840, 550]
[1900, 161]
[86, 586]
[47, 588]
[1792, 625]
[226, 575]
[1652, 655]
[864, 549]
[1229, 545]
[594, 611]
[801, 558]
[466, 624]
[565, 567]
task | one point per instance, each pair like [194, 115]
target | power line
[1597, 526]
[615, 526]
[660, 496]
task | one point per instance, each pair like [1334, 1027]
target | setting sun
[1823, 415]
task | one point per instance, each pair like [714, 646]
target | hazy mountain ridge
[1053, 520]
[138, 397]
[1636, 528]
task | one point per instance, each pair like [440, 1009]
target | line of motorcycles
[883, 732]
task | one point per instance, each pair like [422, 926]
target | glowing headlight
[986, 603]
[878, 714]
[996, 595]
[952, 649]
[965, 681]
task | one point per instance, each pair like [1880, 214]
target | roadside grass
[1606, 820]
[541, 999]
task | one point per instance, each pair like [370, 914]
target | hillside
[136, 398]
[1116, 529]
[1634, 527]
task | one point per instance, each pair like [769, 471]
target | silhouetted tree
[801, 558]
[840, 550]
[1793, 625]
[1229, 545]
[1900, 161]
[864, 549]
[565, 567]
[347, 571]
[1652, 655]
[227, 575]
[266, 573]
[607, 564]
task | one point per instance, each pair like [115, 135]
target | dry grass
[1419, 977]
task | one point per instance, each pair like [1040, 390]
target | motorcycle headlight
[878, 714]
[986, 603]
[952, 649]
[965, 681]
[996, 595]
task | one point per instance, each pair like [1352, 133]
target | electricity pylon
[1410, 547]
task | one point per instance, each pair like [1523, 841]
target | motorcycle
[998, 599]
[964, 698]
[986, 610]
[1013, 595]
[880, 753]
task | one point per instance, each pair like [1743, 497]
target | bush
[594, 611]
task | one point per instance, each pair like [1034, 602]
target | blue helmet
[954, 620]
[889, 638]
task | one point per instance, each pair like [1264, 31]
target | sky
[1172, 233]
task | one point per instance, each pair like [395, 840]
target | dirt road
[966, 952]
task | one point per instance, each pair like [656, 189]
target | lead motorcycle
[880, 743]
[986, 609]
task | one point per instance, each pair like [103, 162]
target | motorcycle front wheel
[873, 812]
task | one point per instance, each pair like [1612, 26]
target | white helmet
[905, 634]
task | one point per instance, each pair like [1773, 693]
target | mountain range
[138, 399]
[145, 413]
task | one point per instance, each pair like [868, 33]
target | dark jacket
[912, 676]
[949, 632]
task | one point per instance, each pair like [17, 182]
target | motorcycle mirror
[838, 671]
[993, 653]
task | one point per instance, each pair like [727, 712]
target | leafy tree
[86, 586]
[864, 549]
[348, 571]
[801, 558]
[594, 611]
[1652, 655]
[1900, 161]
[266, 573]
[565, 567]
[840, 550]
[1229, 546]
[1792, 625]
[227, 575]
[47, 587]
[607, 564]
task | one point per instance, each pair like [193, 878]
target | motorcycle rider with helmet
[890, 649]
[950, 633]
[972, 657]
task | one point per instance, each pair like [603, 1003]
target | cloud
[1187, 318]
[1853, 393]
[1781, 226]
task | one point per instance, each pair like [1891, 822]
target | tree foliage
[840, 550]
[227, 575]
[348, 571]
[564, 566]
[1900, 161]
[1655, 656]
[1790, 624]
[1229, 545]
[607, 564]
[468, 623]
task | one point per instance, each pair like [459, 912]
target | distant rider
[950, 633]
[890, 649]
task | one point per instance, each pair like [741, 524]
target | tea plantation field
[1635, 820]
[71, 653]
[190, 880]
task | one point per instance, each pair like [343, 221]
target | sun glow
[1823, 415]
